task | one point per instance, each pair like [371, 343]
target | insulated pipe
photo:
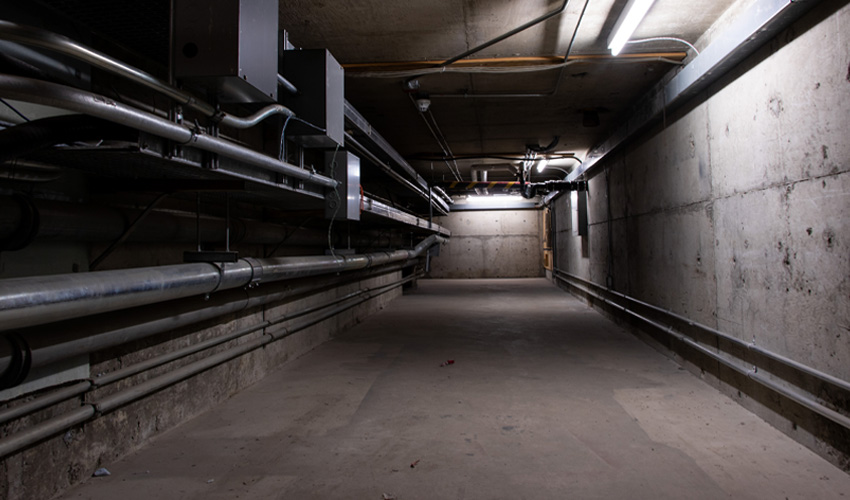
[57, 43]
[43, 299]
[60, 96]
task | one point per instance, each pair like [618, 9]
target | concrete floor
[546, 399]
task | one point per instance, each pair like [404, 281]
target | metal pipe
[824, 377]
[252, 120]
[286, 84]
[51, 343]
[34, 434]
[35, 37]
[44, 299]
[44, 401]
[57, 43]
[351, 141]
[509, 34]
[60, 96]
[55, 425]
[803, 400]
[207, 344]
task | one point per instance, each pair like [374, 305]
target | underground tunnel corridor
[475, 389]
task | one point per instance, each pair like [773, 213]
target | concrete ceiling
[370, 37]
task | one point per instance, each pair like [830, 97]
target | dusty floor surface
[545, 399]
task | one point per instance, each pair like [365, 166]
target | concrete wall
[65, 459]
[736, 213]
[491, 244]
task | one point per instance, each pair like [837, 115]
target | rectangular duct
[227, 48]
[320, 99]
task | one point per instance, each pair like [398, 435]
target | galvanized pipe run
[48, 344]
[64, 221]
[801, 399]
[783, 360]
[44, 299]
[42, 39]
[79, 101]
[55, 425]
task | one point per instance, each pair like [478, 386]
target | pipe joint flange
[256, 271]
[28, 227]
[19, 363]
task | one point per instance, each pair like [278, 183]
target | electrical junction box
[320, 101]
[343, 202]
[578, 203]
[228, 48]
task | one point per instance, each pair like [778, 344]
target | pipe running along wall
[63, 97]
[35, 37]
[47, 344]
[37, 300]
[91, 409]
[713, 353]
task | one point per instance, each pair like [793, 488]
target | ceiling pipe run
[507, 35]
[43, 299]
[79, 101]
[57, 43]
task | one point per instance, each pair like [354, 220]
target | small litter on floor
[448, 362]
[102, 472]
[414, 464]
[388, 496]
[210, 481]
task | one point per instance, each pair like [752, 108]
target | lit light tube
[627, 24]
[542, 164]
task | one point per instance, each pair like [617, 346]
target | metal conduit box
[320, 100]
[228, 48]
[344, 202]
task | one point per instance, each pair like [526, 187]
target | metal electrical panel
[343, 203]
[227, 47]
[320, 100]
[578, 201]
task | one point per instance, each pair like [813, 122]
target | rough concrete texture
[491, 244]
[64, 460]
[734, 212]
[545, 399]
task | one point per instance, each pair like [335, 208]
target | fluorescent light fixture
[627, 24]
[542, 164]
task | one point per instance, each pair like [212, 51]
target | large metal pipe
[35, 37]
[55, 425]
[43, 299]
[60, 96]
[51, 343]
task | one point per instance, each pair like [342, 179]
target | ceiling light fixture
[627, 23]
[542, 164]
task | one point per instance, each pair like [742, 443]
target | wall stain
[776, 107]
[825, 152]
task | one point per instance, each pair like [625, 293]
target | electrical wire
[335, 198]
[664, 39]
[15, 110]
[502, 69]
